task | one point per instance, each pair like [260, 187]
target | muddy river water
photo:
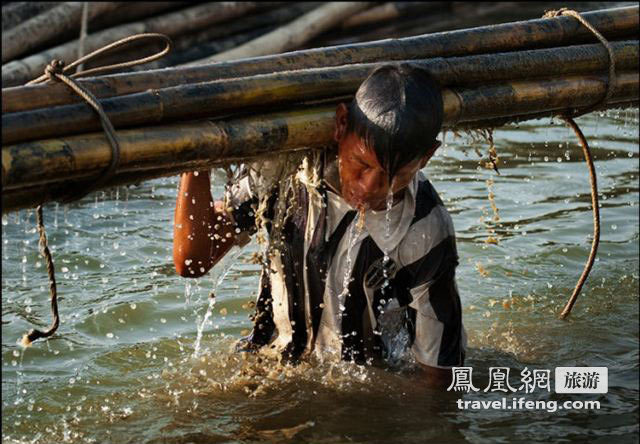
[137, 358]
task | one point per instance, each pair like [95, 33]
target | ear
[430, 153]
[342, 113]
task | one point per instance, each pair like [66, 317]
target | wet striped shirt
[407, 302]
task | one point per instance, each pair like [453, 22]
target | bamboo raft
[201, 116]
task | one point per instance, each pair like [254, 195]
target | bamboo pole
[34, 172]
[209, 48]
[43, 27]
[454, 16]
[177, 56]
[448, 18]
[540, 33]
[135, 11]
[210, 99]
[213, 40]
[389, 11]
[172, 24]
[16, 13]
[293, 35]
[282, 14]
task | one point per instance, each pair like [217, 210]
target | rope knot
[54, 68]
[554, 13]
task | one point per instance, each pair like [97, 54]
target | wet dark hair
[398, 112]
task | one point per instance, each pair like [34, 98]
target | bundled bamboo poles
[210, 99]
[171, 24]
[389, 11]
[43, 27]
[210, 41]
[134, 11]
[38, 171]
[18, 12]
[294, 34]
[242, 113]
[540, 33]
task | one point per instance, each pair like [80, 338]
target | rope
[596, 218]
[34, 334]
[55, 72]
[568, 118]
[612, 62]
[110, 47]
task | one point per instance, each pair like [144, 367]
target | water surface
[122, 366]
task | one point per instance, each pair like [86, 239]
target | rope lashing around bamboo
[569, 117]
[55, 72]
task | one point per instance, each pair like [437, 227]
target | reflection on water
[122, 367]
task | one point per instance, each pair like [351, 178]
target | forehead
[355, 146]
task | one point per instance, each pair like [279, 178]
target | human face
[364, 182]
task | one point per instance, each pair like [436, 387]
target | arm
[203, 232]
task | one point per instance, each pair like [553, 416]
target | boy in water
[398, 265]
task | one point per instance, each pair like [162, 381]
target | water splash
[19, 374]
[387, 235]
[207, 315]
[187, 292]
[227, 265]
[354, 232]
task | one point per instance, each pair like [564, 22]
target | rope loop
[107, 48]
[612, 62]
[55, 71]
[569, 116]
